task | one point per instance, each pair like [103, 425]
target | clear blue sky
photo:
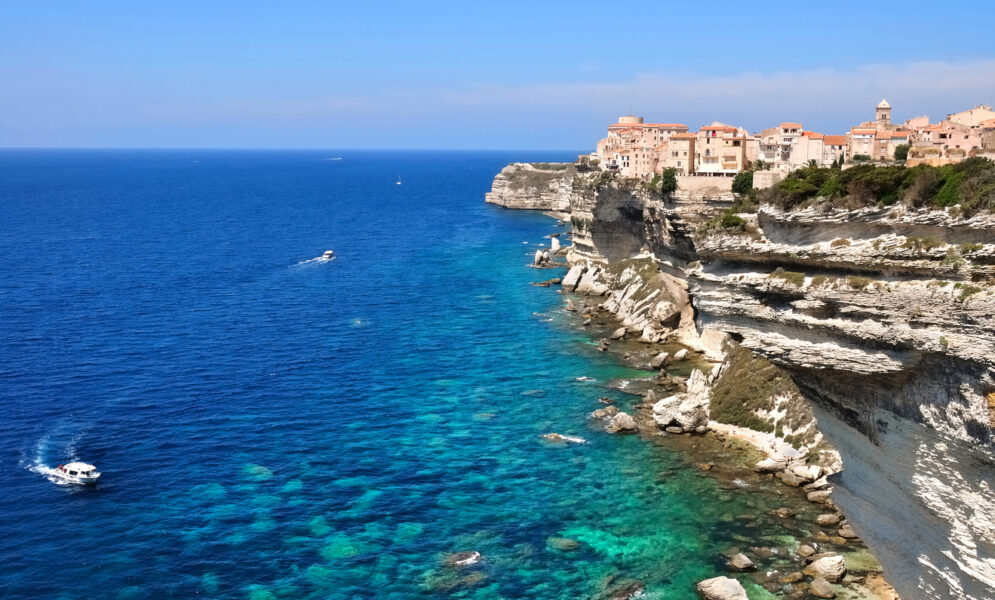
[471, 74]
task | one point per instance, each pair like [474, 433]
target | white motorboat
[328, 255]
[77, 472]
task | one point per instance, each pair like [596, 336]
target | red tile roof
[834, 140]
[791, 125]
[813, 135]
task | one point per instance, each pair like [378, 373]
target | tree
[743, 182]
[812, 163]
[761, 165]
[902, 152]
[668, 181]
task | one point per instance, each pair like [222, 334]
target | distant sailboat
[398, 180]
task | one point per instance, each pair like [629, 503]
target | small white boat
[77, 472]
[398, 180]
[328, 255]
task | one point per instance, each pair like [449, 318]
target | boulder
[805, 550]
[618, 333]
[831, 568]
[572, 278]
[554, 245]
[681, 354]
[622, 423]
[770, 465]
[819, 496]
[806, 473]
[571, 306]
[819, 484]
[793, 577]
[789, 477]
[667, 314]
[673, 429]
[741, 562]
[590, 283]
[689, 410]
[783, 513]
[847, 532]
[828, 519]
[659, 360]
[820, 588]
[721, 588]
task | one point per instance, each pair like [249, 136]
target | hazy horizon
[309, 75]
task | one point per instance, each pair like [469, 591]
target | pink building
[634, 148]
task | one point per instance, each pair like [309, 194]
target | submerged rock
[556, 437]
[463, 559]
[721, 588]
[822, 588]
[741, 562]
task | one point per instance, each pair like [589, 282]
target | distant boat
[77, 472]
[398, 180]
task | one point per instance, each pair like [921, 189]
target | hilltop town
[634, 148]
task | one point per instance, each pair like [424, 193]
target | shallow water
[272, 427]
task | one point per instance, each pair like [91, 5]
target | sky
[471, 75]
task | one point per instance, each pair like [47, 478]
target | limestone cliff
[883, 318]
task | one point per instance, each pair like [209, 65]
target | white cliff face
[890, 334]
[884, 320]
[544, 186]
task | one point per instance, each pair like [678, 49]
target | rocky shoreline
[860, 338]
[672, 410]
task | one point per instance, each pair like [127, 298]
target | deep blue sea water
[275, 428]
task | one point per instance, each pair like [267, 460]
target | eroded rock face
[891, 338]
[531, 186]
[884, 322]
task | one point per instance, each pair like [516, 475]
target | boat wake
[35, 461]
[327, 257]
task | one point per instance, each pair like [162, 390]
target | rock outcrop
[871, 329]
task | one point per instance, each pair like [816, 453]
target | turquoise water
[275, 428]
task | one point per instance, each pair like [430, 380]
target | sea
[271, 425]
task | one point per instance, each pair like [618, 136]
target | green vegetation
[552, 166]
[749, 384]
[944, 342]
[857, 282]
[728, 222]
[967, 290]
[860, 158]
[819, 281]
[901, 152]
[967, 248]
[663, 184]
[743, 182]
[921, 244]
[793, 277]
[969, 184]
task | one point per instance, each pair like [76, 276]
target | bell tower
[883, 115]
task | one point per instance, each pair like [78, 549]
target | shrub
[743, 182]
[967, 248]
[921, 244]
[857, 282]
[839, 242]
[819, 281]
[966, 290]
[860, 158]
[794, 278]
[668, 181]
[901, 152]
